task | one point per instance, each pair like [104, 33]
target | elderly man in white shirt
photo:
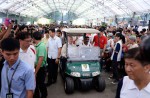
[54, 45]
[64, 48]
[64, 51]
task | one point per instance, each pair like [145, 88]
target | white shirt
[64, 48]
[79, 40]
[133, 46]
[110, 43]
[119, 53]
[83, 45]
[130, 90]
[29, 56]
[53, 44]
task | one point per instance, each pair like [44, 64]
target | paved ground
[57, 90]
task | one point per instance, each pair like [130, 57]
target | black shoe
[54, 82]
[43, 97]
[48, 84]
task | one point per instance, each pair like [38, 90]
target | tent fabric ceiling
[82, 8]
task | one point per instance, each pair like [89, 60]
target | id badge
[9, 95]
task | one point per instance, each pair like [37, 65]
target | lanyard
[9, 82]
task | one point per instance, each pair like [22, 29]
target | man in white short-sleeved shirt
[27, 51]
[54, 45]
[130, 90]
[28, 56]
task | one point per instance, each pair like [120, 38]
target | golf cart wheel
[100, 84]
[69, 85]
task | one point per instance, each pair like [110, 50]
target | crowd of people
[29, 53]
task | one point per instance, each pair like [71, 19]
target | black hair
[46, 31]
[119, 30]
[15, 27]
[114, 32]
[137, 54]
[118, 34]
[141, 32]
[128, 31]
[138, 36]
[144, 30]
[131, 53]
[23, 35]
[86, 37]
[59, 31]
[137, 33]
[134, 30]
[22, 27]
[10, 44]
[37, 35]
[53, 30]
[121, 37]
[102, 29]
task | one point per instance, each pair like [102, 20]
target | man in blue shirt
[18, 79]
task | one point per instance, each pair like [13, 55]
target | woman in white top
[137, 83]
[116, 57]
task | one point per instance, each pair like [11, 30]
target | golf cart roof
[79, 30]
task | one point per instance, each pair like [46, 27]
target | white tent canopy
[82, 8]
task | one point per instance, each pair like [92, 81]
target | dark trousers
[52, 70]
[41, 89]
[122, 68]
[115, 65]
[63, 62]
[108, 65]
